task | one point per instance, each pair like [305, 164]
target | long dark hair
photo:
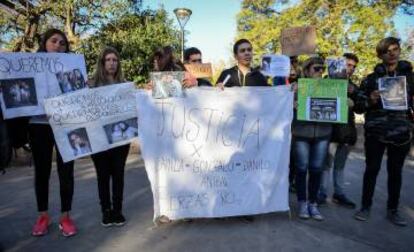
[99, 78]
[166, 60]
[49, 33]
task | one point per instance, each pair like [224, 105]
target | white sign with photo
[393, 91]
[208, 156]
[88, 121]
[26, 79]
[167, 84]
[275, 65]
[336, 68]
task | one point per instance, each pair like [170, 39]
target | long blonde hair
[99, 78]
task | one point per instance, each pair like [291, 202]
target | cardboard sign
[298, 40]
[200, 70]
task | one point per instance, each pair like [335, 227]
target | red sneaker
[41, 226]
[67, 227]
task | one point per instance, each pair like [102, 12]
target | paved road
[271, 232]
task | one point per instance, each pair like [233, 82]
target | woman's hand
[149, 85]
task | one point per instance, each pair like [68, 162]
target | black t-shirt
[237, 79]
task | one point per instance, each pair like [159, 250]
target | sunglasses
[318, 68]
[248, 49]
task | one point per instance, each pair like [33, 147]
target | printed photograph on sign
[336, 68]
[18, 92]
[122, 130]
[393, 92]
[323, 109]
[71, 80]
[167, 84]
[266, 64]
[79, 141]
[275, 65]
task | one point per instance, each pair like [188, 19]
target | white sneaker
[314, 212]
[303, 210]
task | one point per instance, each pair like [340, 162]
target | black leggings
[42, 142]
[374, 151]
[111, 163]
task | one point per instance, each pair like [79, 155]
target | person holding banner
[110, 164]
[242, 74]
[310, 141]
[42, 142]
[387, 128]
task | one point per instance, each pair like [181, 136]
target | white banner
[217, 153]
[26, 79]
[88, 121]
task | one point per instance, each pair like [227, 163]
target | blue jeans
[310, 155]
[339, 161]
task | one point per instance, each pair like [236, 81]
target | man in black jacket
[242, 74]
[344, 136]
[389, 130]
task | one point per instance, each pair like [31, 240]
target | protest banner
[275, 65]
[393, 91]
[167, 84]
[200, 70]
[214, 154]
[298, 40]
[26, 79]
[88, 121]
[322, 100]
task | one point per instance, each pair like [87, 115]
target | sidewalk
[271, 232]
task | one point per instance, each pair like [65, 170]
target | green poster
[323, 100]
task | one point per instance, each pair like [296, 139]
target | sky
[212, 26]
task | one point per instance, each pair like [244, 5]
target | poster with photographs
[323, 109]
[88, 121]
[337, 68]
[27, 79]
[275, 65]
[393, 91]
[322, 100]
[167, 84]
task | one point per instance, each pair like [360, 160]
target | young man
[192, 56]
[345, 136]
[389, 130]
[242, 74]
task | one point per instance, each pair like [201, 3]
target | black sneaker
[118, 218]
[396, 218]
[342, 200]
[362, 214]
[321, 200]
[107, 219]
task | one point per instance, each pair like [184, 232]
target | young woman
[42, 142]
[110, 164]
[309, 146]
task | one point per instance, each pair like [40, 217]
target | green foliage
[136, 36]
[342, 26]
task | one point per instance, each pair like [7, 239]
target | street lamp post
[183, 15]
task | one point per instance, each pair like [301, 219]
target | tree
[22, 21]
[342, 26]
[136, 36]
